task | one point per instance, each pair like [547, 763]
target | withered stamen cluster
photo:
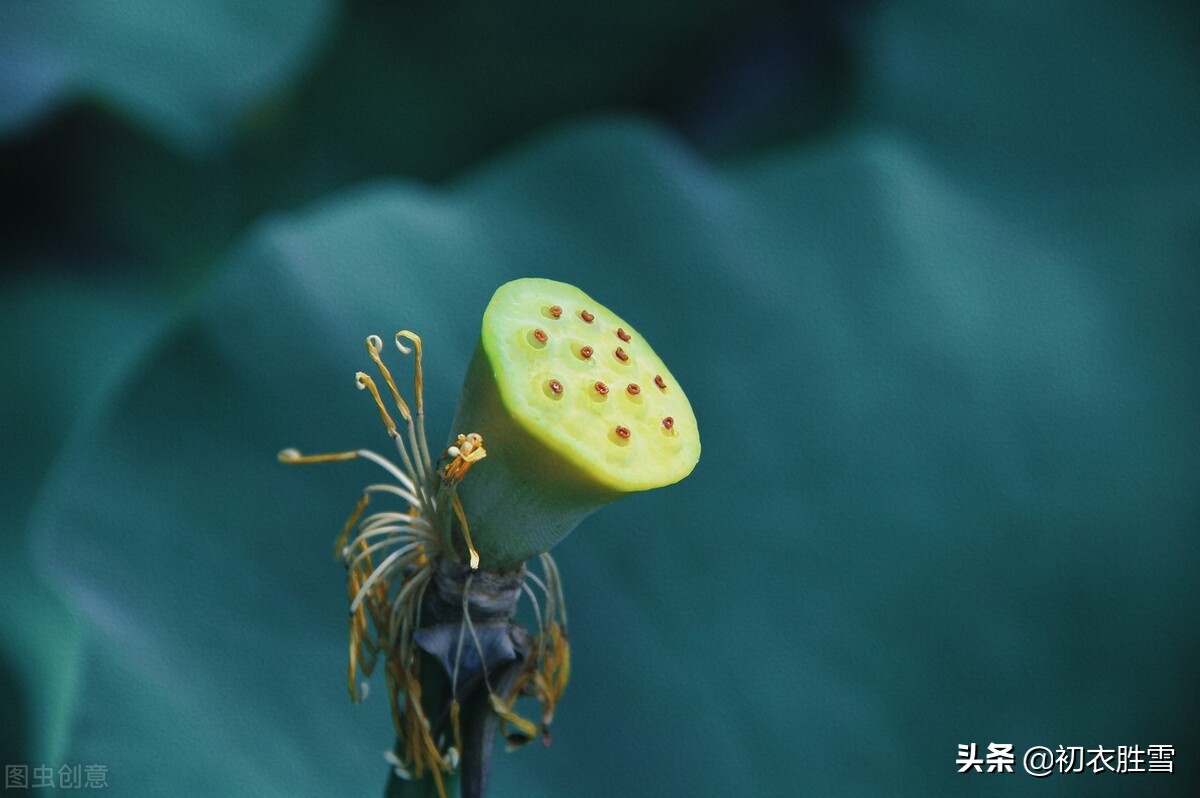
[391, 559]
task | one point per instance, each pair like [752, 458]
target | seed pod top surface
[584, 383]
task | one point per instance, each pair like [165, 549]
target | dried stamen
[473, 555]
[658, 380]
[601, 388]
[540, 335]
[624, 336]
[585, 352]
[633, 389]
[668, 422]
[588, 317]
[621, 356]
[366, 382]
[466, 451]
[389, 558]
[623, 432]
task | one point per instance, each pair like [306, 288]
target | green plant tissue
[917, 431]
[945, 359]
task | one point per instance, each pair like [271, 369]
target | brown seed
[555, 311]
[633, 389]
[621, 356]
[588, 317]
[668, 422]
[624, 336]
[540, 335]
[585, 352]
[623, 432]
[556, 386]
[658, 380]
[601, 388]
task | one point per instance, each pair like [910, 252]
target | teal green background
[927, 271]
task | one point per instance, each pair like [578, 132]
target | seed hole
[668, 423]
[596, 391]
[621, 355]
[633, 389]
[624, 336]
[554, 312]
[588, 317]
[553, 389]
[537, 338]
[658, 380]
[615, 436]
[586, 352]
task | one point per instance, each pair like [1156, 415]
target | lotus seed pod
[576, 411]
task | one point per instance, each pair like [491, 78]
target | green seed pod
[576, 411]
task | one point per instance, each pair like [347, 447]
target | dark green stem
[491, 603]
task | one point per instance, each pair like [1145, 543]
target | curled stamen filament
[294, 457]
[379, 571]
[421, 471]
[383, 544]
[386, 599]
[394, 530]
[419, 390]
[537, 610]
[414, 522]
[554, 582]
[411, 612]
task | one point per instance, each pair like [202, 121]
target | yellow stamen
[467, 451]
[462, 519]
[422, 454]
[293, 457]
[419, 381]
[358, 631]
[352, 673]
[423, 752]
[340, 543]
[505, 711]
[374, 345]
[364, 381]
[454, 712]
[558, 666]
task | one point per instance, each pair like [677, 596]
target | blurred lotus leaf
[944, 358]
[187, 69]
[220, 623]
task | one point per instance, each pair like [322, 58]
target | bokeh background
[928, 271]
